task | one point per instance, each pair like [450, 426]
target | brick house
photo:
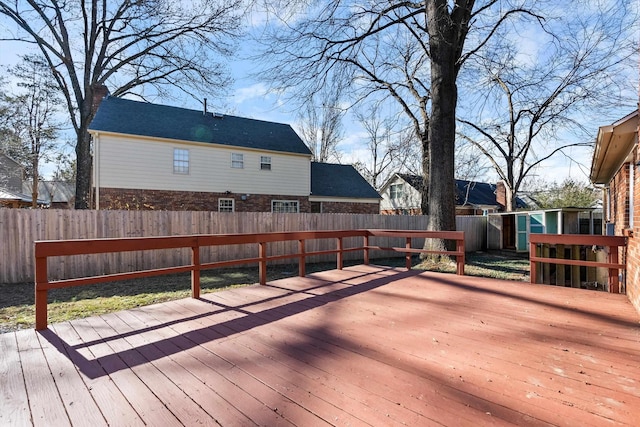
[150, 156]
[615, 167]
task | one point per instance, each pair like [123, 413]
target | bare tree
[128, 45]
[531, 106]
[36, 124]
[321, 123]
[410, 52]
[388, 144]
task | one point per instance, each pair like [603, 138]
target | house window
[225, 205]
[285, 206]
[180, 161]
[237, 160]
[265, 163]
[316, 207]
[396, 191]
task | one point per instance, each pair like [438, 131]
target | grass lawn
[17, 309]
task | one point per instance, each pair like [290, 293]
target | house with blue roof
[402, 195]
[151, 156]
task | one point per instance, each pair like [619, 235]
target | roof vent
[218, 115]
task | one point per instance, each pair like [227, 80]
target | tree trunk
[442, 128]
[424, 202]
[35, 178]
[83, 171]
[84, 159]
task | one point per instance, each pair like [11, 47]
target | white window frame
[285, 203]
[265, 163]
[237, 160]
[225, 208]
[181, 163]
[394, 194]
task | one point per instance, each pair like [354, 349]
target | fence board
[19, 228]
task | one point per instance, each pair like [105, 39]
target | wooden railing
[539, 243]
[59, 248]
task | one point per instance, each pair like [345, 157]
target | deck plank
[268, 397]
[13, 393]
[79, 405]
[361, 346]
[103, 389]
[44, 399]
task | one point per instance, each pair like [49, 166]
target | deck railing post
[560, 278]
[532, 263]
[262, 254]
[340, 253]
[366, 249]
[41, 292]
[575, 269]
[460, 258]
[408, 254]
[613, 272]
[195, 271]
[303, 258]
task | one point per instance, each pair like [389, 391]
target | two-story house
[149, 156]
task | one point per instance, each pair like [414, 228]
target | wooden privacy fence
[45, 250]
[539, 257]
[19, 228]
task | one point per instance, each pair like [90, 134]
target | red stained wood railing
[612, 243]
[45, 249]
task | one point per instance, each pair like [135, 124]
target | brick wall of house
[633, 243]
[619, 193]
[349, 207]
[118, 198]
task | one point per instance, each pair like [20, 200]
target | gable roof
[52, 191]
[467, 192]
[130, 117]
[333, 180]
[13, 196]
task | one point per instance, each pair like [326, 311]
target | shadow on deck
[363, 346]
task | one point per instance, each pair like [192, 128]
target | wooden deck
[362, 346]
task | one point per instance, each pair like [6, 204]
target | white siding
[142, 163]
[410, 200]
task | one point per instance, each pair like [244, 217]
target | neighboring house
[150, 156]
[54, 194]
[11, 175]
[340, 188]
[401, 195]
[615, 164]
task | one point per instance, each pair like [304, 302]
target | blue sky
[249, 97]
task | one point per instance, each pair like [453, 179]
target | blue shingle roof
[161, 121]
[333, 180]
[467, 192]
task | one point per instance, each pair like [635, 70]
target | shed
[510, 230]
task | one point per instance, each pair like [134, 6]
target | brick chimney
[501, 193]
[99, 92]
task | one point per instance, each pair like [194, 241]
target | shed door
[522, 236]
